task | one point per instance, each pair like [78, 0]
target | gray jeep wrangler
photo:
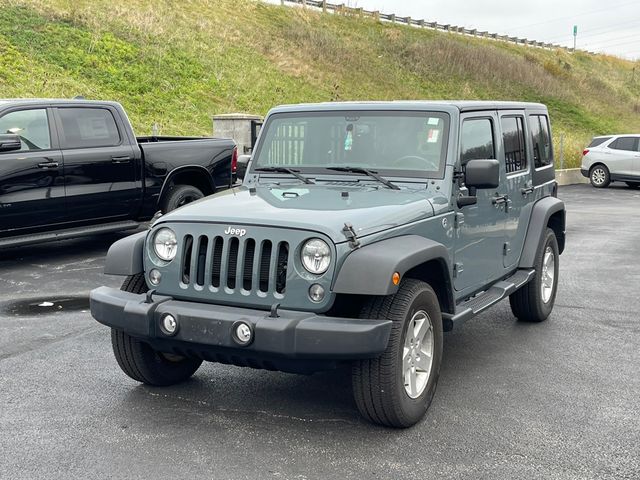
[361, 233]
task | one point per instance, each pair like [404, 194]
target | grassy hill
[179, 62]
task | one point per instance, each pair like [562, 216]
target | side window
[513, 140]
[88, 127]
[625, 143]
[541, 139]
[31, 125]
[598, 141]
[476, 140]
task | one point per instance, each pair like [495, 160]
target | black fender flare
[541, 214]
[178, 170]
[369, 270]
[125, 256]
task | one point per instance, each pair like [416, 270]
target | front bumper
[203, 326]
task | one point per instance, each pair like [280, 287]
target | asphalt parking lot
[554, 400]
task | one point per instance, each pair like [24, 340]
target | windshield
[392, 143]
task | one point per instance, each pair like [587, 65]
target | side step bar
[65, 234]
[498, 291]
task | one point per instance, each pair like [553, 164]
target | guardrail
[342, 9]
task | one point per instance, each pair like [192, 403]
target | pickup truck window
[542, 155]
[476, 140]
[88, 127]
[388, 142]
[513, 140]
[31, 125]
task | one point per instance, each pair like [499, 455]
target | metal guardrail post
[562, 150]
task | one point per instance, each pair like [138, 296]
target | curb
[570, 176]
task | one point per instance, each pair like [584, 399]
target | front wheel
[139, 360]
[599, 176]
[396, 388]
[534, 301]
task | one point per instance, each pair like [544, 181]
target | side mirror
[479, 174]
[243, 164]
[10, 142]
[482, 174]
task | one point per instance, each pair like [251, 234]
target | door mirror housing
[482, 174]
[10, 142]
[243, 165]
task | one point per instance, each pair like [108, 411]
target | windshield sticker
[348, 140]
[433, 121]
[433, 136]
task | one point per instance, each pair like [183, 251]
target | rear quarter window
[541, 140]
[598, 141]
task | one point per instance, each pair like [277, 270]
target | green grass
[179, 64]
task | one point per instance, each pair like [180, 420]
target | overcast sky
[603, 26]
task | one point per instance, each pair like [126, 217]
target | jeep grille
[235, 263]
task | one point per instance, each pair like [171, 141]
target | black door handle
[499, 199]
[124, 159]
[526, 190]
[48, 165]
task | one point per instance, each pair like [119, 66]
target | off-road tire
[141, 362]
[378, 383]
[633, 185]
[527, 303]
[593, 174]
[180, 195]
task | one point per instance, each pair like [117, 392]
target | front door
[518, 185]
[31, 179]
[480, 232]
[99, 165]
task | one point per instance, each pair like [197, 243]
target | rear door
[99, 166]
[622, 155]
[518, 185]
[31, 179]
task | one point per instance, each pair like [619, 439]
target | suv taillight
[585, 151]
[234, 160]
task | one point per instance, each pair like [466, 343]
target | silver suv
[613, 158]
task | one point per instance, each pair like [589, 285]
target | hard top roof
[443, 105]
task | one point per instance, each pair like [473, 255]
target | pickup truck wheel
[139, 360]
[633, 185]
[180, 195]
[599, 176]
[396, 388]
[534, 301]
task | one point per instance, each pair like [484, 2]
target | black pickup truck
[74, 167]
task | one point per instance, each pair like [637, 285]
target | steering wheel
[409, 161]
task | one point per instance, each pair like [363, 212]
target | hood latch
[350, 233]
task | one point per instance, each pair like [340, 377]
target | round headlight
[165, 244]
[316, 256]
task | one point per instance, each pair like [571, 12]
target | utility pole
[575, 36]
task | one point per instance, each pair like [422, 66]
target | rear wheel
[139, 360]
[534, 301]
[599, 176]
[396, 388]
[180, 195]
[633, 185]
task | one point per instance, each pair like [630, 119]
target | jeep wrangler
[361, 233]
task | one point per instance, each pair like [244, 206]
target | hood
[321, 208]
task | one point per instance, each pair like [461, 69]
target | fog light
[242, 333]
[155, 276]
[316, 293]
[169, 324]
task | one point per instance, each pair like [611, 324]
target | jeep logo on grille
[241, 232]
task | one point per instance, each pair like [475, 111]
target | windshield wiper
[288, 170]
[368, 172]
